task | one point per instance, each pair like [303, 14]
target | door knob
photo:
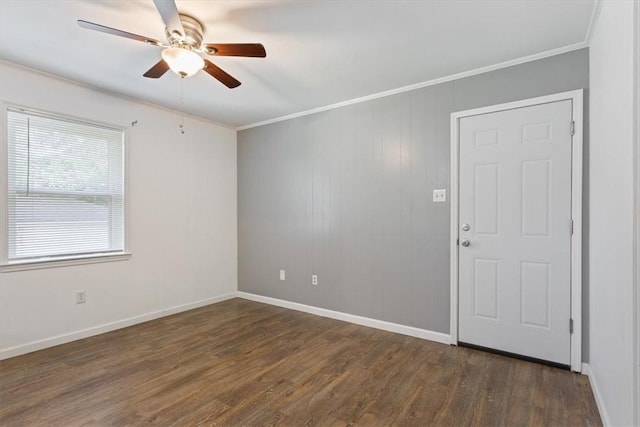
[465, 242]
[466, 227]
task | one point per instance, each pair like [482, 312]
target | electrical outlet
[81, 297]
[281, 274]
[439, 196]
[314, 279]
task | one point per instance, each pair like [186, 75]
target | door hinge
[573, 128]
[570, 326]
[572, 227]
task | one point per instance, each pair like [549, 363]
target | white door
[515, 215]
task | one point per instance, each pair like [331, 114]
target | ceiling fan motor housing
[192, 37]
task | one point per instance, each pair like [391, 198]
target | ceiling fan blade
[115, 32]
[157, 70]
[218, 73]
[170, 16]
[255, 50]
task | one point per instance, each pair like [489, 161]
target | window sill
[63, 262]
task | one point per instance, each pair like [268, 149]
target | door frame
[576, 96]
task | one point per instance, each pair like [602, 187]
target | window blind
[65, 187]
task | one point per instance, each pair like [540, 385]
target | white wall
[611, 211]
[182, 205]
[637, 204]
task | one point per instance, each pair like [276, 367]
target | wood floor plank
[242, 363]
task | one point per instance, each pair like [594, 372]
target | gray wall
[346, 194]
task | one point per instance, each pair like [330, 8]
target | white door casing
[516, 183]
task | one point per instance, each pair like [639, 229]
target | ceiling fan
[182, 52]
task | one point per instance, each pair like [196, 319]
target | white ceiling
[318, 52]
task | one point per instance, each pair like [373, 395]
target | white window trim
[58, 261]
[64, 261]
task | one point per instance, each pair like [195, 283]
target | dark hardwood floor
[241, 363]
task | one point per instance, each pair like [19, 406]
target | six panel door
[515, 217]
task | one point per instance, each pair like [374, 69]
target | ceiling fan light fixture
[182, 61]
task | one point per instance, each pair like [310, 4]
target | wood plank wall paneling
[346, 194]
[244, 363]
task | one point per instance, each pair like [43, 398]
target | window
[64, 189]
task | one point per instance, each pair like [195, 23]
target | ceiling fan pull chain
[182, 105]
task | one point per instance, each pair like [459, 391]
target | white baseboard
[351, 318]
[108, 327]
[118, 324]
[586, 370]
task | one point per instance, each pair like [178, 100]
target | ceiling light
[183, 61]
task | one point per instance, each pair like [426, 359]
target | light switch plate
[439, 196]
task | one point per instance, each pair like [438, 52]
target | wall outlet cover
[439, 196]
